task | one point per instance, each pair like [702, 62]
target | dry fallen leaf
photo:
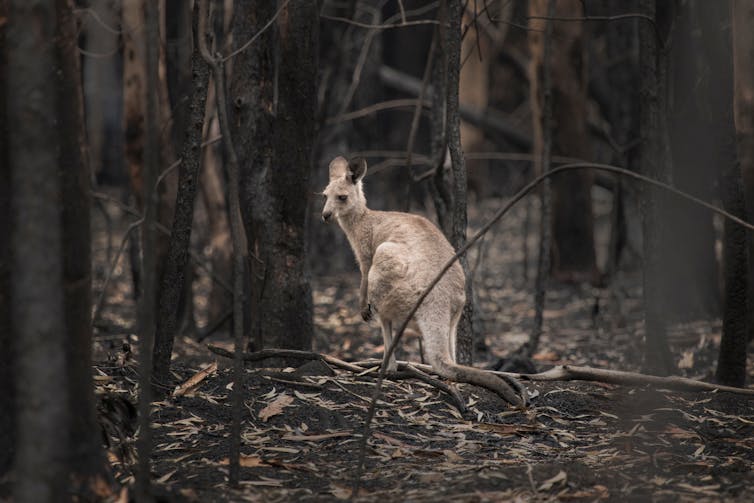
[548, 484]
[166, 477]
[194, 380]
[546, 356]
[246, 461]
[314, 438]
[276, 407]
[687, 360]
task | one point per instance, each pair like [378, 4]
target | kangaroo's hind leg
[452, 335]
[387, 338]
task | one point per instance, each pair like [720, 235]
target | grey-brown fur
[399, 254]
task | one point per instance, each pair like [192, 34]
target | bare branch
[383, 105]
[575, 373]
[407, 370]
[257, 34]
[418, 110]
[543, 147]
[378, 26]
[218, 73]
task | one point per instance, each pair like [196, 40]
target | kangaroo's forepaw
[366, 312]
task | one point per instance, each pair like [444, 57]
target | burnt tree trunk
[7, 382]
[731, 363]
[654, 161]
[101, 79]
[622, 49]
[37, 265]
[573, 255]
[438, 185]
[87, 466]
[743, 113]
[737, 329]
[212, 189]
[178, 65]
[135, 92]
[540, 81]
[175, 287]
[465, 341]
[275, 145]
[696, 150]
[148, 294]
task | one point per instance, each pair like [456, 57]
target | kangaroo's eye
[342, 198]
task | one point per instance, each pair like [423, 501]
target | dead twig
[405, 370]
[216, 64]
[543, 147]
[576, 373]
[485, 228]
[607, 376]
[450, 390]
[198, 260]
[378, 26]
[256, 35]
[111, 270]
[417, 114]
[265, 354]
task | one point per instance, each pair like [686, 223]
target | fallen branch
[578, 373]
[266, 354]
[575, 373]
[406, 370]
[412, 372]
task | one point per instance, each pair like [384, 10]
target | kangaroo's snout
[326, 216]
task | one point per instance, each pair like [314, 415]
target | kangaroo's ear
[357, 168]
[338, 168]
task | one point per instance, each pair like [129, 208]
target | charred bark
[465, 342]
[88, 469]
[101, 82]
[148, 297]
[275, 129]
[654, 161]
[7, 381]
[573, 254]
[737, 329]
[438, 184]
[571, 224]
[743, 114]
[731, 363]
[36, 241]
[178, 67]
[175, 287]
[622, 48]
[700, 97]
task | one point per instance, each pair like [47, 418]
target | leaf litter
[577, 442]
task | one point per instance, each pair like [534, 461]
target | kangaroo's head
[344, 194]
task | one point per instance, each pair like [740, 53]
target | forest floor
[301, 427]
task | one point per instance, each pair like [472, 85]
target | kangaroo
[399, 254]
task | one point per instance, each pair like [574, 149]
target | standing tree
[694, 119]
[148, 293]
[572, 251]
[274, 92]
[86, 460]
[540, 100]
[175, 287]
[7, 383]
[58, 448]
[743, 113]
[654, 161]
[731, 365]
[37, 258]
[449, 196]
